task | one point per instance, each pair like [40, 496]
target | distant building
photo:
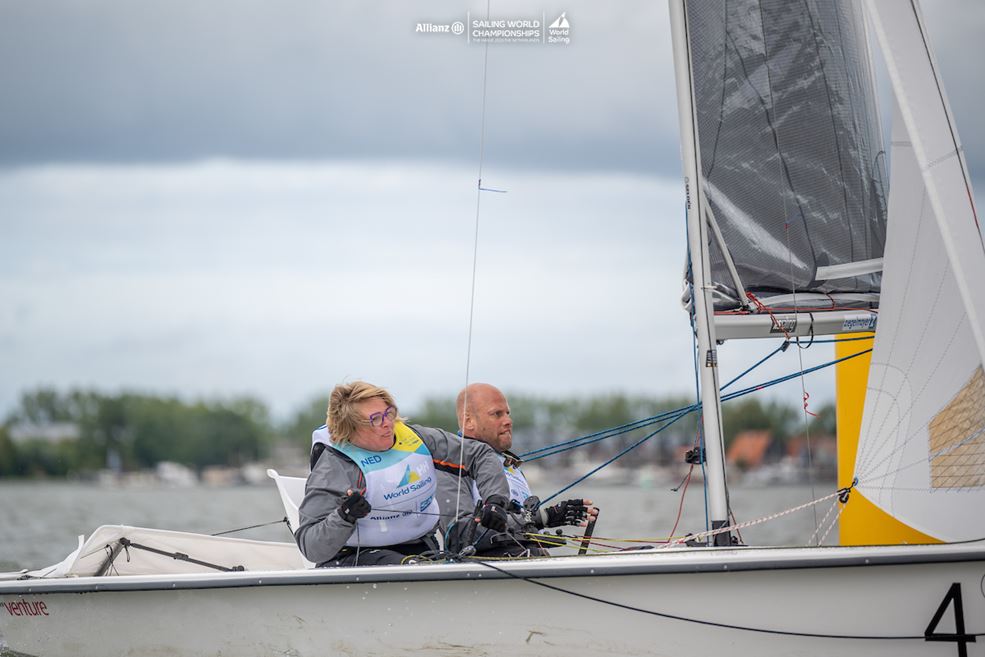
[748, 449]
[51, 432]
[823, 452]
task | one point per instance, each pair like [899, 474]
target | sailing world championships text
[506, 29]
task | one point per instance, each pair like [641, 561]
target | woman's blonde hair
[343, 417]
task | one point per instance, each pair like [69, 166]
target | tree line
[133, 431]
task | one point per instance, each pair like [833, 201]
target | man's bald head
[484, 414]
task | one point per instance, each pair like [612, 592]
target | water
[39, 521]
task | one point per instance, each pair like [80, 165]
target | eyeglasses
[378, 419]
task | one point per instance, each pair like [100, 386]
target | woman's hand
[354, 506]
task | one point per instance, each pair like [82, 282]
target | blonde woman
[370, 497]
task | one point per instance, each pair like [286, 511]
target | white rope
[475, 260]
[824, 520]
[834, 521]
[749, 523]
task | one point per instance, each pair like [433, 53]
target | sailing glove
[494, 513]
[569, 512]
[354, 506]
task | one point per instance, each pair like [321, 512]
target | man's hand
[570, 512]
[354, 506]
[494, 513]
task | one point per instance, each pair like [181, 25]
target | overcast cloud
[269, 197]
[134, 81]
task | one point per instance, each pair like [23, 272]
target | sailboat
[910, 265]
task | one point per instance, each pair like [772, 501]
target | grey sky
[269, 197]
[107, 80]
[115, 81]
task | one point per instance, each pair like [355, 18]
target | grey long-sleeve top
[323, 532]
[455, 492]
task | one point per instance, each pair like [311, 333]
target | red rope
[761, 307]
[807, 396]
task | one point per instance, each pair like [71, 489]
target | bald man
[484, 415]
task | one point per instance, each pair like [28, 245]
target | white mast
[698, 240]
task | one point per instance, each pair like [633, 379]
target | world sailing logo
[561, 23]
[409, 483]
[560, 30]
[409, 477]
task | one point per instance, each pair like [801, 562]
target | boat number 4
[959, 636]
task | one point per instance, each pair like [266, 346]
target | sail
[790, 150]
[921, 452]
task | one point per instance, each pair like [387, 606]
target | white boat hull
[762, 601]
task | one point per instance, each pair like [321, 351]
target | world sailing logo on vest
[410, 482]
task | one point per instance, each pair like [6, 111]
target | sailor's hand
[494, 513]
[569, 512]
[354, 506]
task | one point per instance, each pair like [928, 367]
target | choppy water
[39, 521]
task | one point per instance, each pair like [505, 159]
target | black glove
[494, 513]
[353, 507]
[569, 512]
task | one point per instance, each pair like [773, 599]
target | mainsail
[790, 152]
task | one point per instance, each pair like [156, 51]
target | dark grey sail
[790, 150]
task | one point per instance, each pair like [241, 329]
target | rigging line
[621, 429]
[679, 413]
[757, 521]
[803, 384]
[782, 347]
[694, 407]
[680, 507]
[697, 385]
[593, 438]
[834, 522]
[699, 621]
[864, 337]
[243, 529]
[784, 379]
[617, 456]
[475, 255]
[815, 536]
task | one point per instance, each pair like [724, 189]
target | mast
[698, 240]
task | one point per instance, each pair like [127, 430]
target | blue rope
[558, 448]
[782, 347]
[832, 341]
[686, 410]
[615, 431]
[619, 455]
[784, 379]
[598, 436]
[697, 395]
